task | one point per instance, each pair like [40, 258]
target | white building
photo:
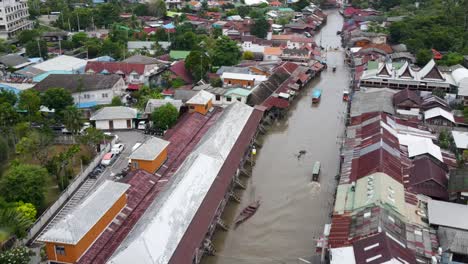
[13, 18]
[114, 117]
[87, 90]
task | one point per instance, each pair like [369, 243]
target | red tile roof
[133, 86]
[115, 67]
[179, 70]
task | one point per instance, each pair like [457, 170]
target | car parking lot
[129, 139]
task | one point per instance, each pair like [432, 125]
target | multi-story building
[13, 17]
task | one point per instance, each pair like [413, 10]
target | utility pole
[78, 20]
[39, 48]
[60, 46]
[69, 25]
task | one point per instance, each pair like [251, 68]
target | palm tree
[13, 222]
[72, 119]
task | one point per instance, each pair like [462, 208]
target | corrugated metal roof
[114, 112]
[149, 150]
[158, 233]
[436, 112]
[201, 98]
[84, 216]
[448, 214]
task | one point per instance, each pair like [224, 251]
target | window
[228, 98]
[60, 250]
[135, 165]
[104, 95]
[239, 99]
[192, 107]
[218, 97]
[86, 96]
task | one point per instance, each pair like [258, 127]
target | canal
[293, 209]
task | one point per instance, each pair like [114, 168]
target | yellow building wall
[150, 165]
[235, 82]
[74, 252]
[202, 109]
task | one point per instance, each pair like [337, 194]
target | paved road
[129, 139]
[293, 210]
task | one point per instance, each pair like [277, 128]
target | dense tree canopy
[225, 52]
[164, 117]
[7, 96]
[260, 27]
[57, 98]
[26, 183]
[198, 63]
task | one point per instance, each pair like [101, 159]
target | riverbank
[294, 209]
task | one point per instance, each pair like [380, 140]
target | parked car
[86, 125]
[108, 159]
[142, 125]
[117, 148]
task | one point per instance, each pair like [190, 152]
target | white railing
[65, 195]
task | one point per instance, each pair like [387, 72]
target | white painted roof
[62, 63]
[114, 113]
[159, 231]
[420, 145]
[435, 112]
[243, 76]
[461, 139]
[255, 2]
[84, 216]
[201, 98]
[150, 149]
[460, 76]
[448, 214]
[342, 255]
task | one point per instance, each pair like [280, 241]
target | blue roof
[169, 26]
[9, 88]
[104, 58]
[86, 105]
[316, 93]
[44, 75]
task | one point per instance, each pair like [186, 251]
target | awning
[86, 105]
[133, 86]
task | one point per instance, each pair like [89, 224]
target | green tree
[8, 115]
[141, 10]
[243, 10]
[30, 101]
[58, 163]
[35, 145]
[113, 49]
[451, 58]
[225, 52]
[198, 63]
[79, 39]
[216, 82]
[248, 55]
[18, 255]
[157, 8]
[8, 97]
[423, 57]
[25, 182]
[26, 36]
[107, 13]
[72, 119]
[92, 138]
[27, 210]
[12, 222]
[57, 98]
[116, 101]
[299, 5]
[260, 27]
[164, 117]
[36, 48]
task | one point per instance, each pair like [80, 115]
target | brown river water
[293, 209]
